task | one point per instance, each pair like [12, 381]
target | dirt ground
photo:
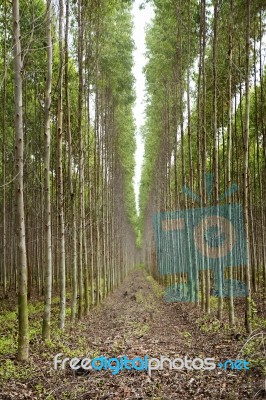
[135, 321]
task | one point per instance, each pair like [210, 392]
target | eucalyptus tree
[47, 197]
[60, 187]
[23, 331]
[218, 126]
[73, 219]
[245, 165]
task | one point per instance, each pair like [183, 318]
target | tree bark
[245, 169]
[47, 192]
[23, 334]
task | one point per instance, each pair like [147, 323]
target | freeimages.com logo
[192, 240]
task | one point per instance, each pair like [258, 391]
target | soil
[135, 321]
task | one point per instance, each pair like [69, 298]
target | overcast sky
[141, 18]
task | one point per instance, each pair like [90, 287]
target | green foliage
[11, 370]
[8, 316]
[187, 336]
[158, 290]
[139, 328]
[254, 350]
[165, 76]
[7, 345]
[209, 325]
[163, 42]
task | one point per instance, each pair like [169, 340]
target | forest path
[134, 321]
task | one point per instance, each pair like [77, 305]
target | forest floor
[135, 321]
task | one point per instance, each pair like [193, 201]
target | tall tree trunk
[229, 150]
[199, 136]
[204, 147]
[23, 334]
[70, 176]
[47, 195]
[60, 190]
[215, 150]
[81, 160]
[4, 258]
[245, 168]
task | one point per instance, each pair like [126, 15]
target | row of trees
[68, 161]
[205, 112]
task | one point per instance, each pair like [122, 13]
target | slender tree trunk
[204, 148]
[60, 193]
[219, 272]
[47, 196]
[70, 176]
[199, 136]
[263, 167]
[23, 334]
[245, 168]
[229, 150]
[81, 160]
[4, 259]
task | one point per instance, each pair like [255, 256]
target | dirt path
[134, 321]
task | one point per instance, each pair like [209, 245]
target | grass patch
[208, 324]
[8, 316]
[157, 289]
[139, 328]
[7, 345]
[140, 298]
[255, 350]
[11, 370]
